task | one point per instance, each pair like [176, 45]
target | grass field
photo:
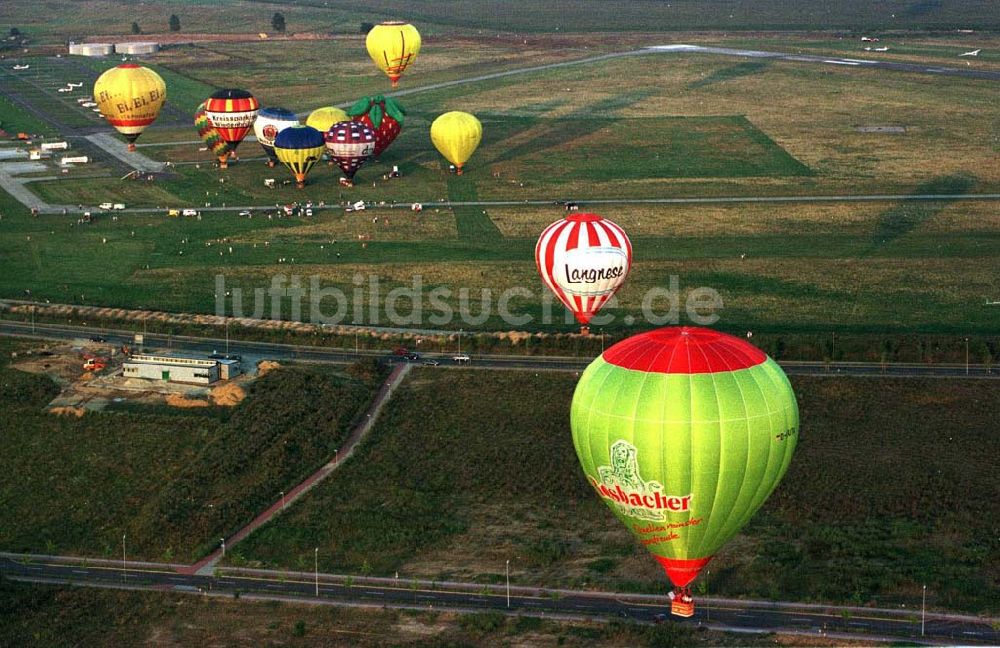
[468, 469]
[173, 482]
[648, 126]
[340, 16]
[38, 615]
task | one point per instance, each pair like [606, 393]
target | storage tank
[137, 48]
[91, 49]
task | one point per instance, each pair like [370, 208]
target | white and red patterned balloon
[583, 259]
[350, 144]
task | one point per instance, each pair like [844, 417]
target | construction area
[95, 376]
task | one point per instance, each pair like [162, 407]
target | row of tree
[277, 23]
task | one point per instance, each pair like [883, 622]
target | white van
[461, 359]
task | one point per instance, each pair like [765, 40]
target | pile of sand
[228, 395]
[266, 365]
[68, 411]
[176, 400]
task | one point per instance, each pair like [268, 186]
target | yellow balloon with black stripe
[130, 96]
[393, 46]
[299, 148]
[456, 135]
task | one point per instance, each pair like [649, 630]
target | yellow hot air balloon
[456, 135]
[323, 118]
[393, 46]
[130, 97]
[298, 148]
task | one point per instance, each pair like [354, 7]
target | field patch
[606, 148]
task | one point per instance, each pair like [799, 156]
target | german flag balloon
[393, 46]
[299, 148]
[456, 135]
[232, 113]
[210, 136]
[684, 432]
[130, 96]
[583, 259]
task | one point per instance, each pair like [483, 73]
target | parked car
[431, 363]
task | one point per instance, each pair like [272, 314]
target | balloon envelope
[210, 136]
[393, 46]
[130, 96]
[270, 122]
[384, 115]
[684, 433]
[322, 119]
[456, 135]
[232, 113]
[350, 144]
[583, 259]
[298, 148]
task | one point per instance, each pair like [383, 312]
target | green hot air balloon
[684, 433]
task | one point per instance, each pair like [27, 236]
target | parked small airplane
[21, 67]
[972, 53]
[881, 49]
[868, 39]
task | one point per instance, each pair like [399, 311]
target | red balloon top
[684, 350]
[129, 65]
[578, 217]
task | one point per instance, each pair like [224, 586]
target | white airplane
[972, 53]
[21, 67]
[74, 85]
[881, 49]
[868, 39]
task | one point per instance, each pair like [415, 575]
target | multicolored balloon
[384, 115]
[393, 46]
[210, 136]
[232, 113]
[456, 135]
[270, 122]
[323, 119]
[684, 433]
[350, 144]
[130, 96]
[299, 148]
[583, 259]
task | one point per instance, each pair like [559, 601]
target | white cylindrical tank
[137, 48]
[91, 49]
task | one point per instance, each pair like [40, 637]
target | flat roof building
[195, 371]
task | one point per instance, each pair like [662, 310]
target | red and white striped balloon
[583, 259]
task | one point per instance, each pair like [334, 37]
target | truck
[189, 212]
[118, 206]
[105, 205]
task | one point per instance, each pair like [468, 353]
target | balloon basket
[270, 163]
[223, 164]
[131, 147]
[300, 185]
[346, 183]
[584, 330]
[682, 608]
[458, 171]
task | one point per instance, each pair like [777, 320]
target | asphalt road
[724, 614]
[303, 353]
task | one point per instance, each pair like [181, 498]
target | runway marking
[80, 571]
[272, 586]
[801, 620]
[840, 62]
[177, 579]
[972, 632]
[374, 592]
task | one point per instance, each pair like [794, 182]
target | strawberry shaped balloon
[383, 115]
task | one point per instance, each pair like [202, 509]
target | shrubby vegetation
[172, 482]
[469, 468]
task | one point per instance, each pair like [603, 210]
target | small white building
[196, 371]
[137, 48]
[91, 49]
